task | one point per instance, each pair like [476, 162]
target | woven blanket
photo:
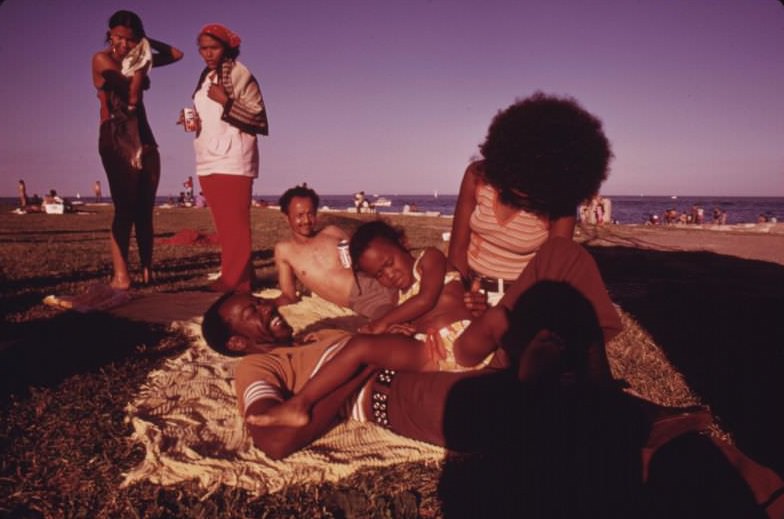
[186, 415]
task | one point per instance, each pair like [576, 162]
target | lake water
[625, 209]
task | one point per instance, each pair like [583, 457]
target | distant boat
[382, 202]
[674, 197]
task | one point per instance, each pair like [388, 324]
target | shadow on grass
[720, 321]
[44, 352]
[29, 235]
[43, 282]
[564, 454]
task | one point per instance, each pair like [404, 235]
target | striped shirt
[281, 372]
[502, 249]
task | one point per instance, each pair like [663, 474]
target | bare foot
[120, 283]
[147, 276]
[288, 414]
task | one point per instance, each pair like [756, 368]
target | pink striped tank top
[502, 249]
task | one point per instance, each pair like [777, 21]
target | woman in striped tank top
[542, 157]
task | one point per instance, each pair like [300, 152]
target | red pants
[228, 197]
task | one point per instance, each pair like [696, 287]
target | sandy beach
[764, 242]
[711, 298]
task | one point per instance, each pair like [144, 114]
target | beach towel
[186, 416]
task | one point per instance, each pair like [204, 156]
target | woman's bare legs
[133, 193]
[123, 190]
[145, 204]
[390, 351]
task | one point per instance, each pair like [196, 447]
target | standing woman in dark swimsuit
[125, 133]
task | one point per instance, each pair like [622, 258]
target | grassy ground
[65, 378]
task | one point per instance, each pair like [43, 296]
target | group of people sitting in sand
[497, 346]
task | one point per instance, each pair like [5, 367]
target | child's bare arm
[433, 269]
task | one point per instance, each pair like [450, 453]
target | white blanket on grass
[186, 417]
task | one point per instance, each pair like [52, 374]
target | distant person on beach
[188, 185]
[542, 157]
[719, 216]
[55, 204]
[22, 194]
[230, 114]
[311, 256]
[697, 214]
[34, 204]
[599, 210]
[97, 191]
[360, 201]
[132, 188]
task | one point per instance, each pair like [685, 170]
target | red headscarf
[222, 33]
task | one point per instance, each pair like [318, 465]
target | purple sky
[394, 96]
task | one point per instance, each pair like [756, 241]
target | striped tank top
[502, 249]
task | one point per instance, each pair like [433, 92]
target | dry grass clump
[635, 358]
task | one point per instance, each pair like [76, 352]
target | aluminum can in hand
[345, 257]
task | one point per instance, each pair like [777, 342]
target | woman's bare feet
[292, 413]
[120, 282]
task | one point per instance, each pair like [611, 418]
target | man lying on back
[311, 256]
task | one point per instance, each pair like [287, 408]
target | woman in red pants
[230, 113]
